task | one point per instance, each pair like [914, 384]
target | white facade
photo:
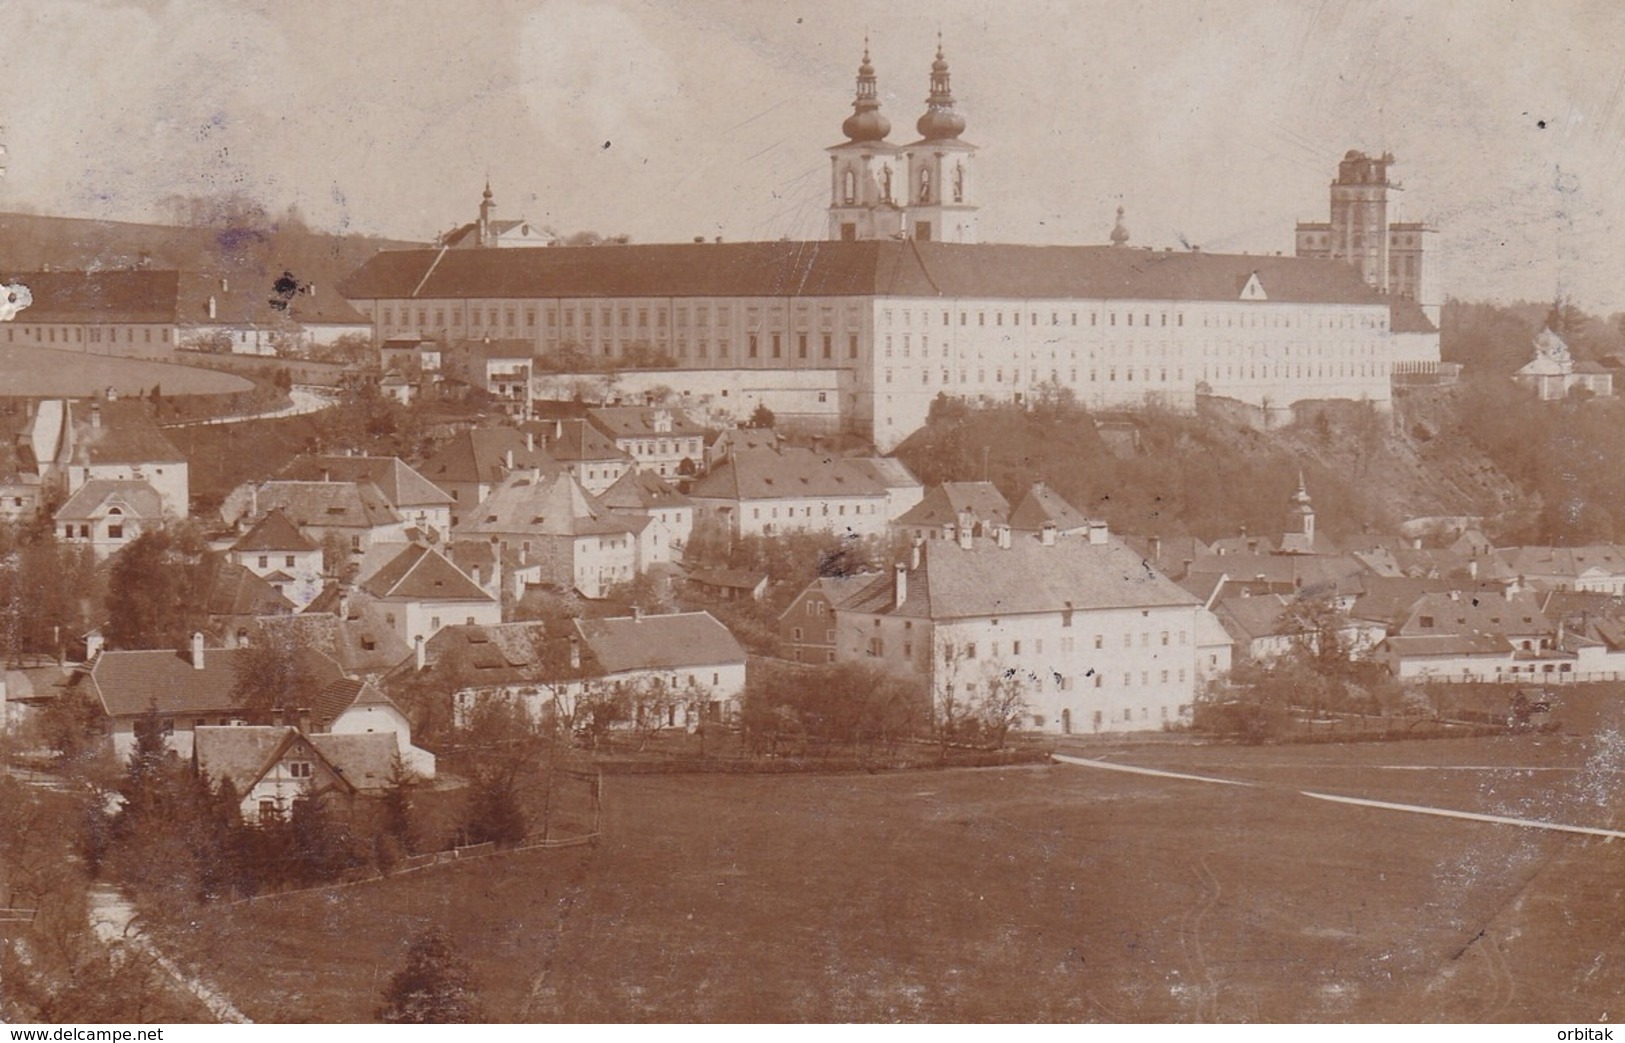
[863, 515]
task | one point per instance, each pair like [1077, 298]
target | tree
[273, 673]
[399, 827]
[153, 597]
[762, 417]
[1004, 702]
[435, 987]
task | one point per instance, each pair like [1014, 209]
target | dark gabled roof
[1447, 645]
[130, 684]
[941, 505]
[235, 590]
[642, 491]
[345, 641]
[836, 590]
[244, 754]
[1517, 615]
[1026, 577]
[555, 506]
[125, 434]
[274, 532]
[420, 573]
[365, 760]
[671, 642]
[138, 499]
[356, 505]
[401, 485]
[641, 422]
[841, 269]
[789, 473]
[1250, 618]
[1043, 505]
[493, 655]
[887, 472]
[129, 296]
[480, 454]
[575, 441]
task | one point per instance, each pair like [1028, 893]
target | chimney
[225, 286]
[95, 415]
[197, 650]
[212, 309]
[1097, 533]
[575, 652]
[899, 585]
[914, 552]
[507, 459]
[1472, 568]
[419, 658]
[344, 601]
[535, 474]
[530, 442]
[1002, 534]
[558, 430]
[948, 530]
[1046, 535]
[1156, 548]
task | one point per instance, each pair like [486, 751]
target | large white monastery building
[902, 303]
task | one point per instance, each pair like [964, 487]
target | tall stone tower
[1399, 258]
[866, 171]
[940, 179]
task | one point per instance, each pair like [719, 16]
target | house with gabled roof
[107, 515]
[1092, 638]
[270, 766]
[670, 514]
[118, 441]
[477, 459]
[276, 551]
[421, 592]
[420, 503]
[942, 510]
[349, 629]
[563, 535]
[657, 438]
[582, 450]
[767, 492]
[903, 490]
[235, 597]
[177, 692]
[695, 657]
[807, 624]
[1043, 506]
[350, 706]
[355, 514]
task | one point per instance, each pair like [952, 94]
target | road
[306, 398]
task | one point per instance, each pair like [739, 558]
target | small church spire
[940, 121]
[866, 123]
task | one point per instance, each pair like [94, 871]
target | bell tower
[941, 183]
[866, 176]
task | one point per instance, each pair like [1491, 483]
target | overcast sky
[1214, 123]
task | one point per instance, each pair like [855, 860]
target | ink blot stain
[1541, 124]
[606, 144]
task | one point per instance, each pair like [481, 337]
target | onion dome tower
[1301, 513]
[865, 169]
[939, 166]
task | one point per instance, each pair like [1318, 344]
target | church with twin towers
[901, 304]
[923, 190]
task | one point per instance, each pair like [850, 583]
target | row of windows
[47, 334]
[1036, 646]
[1062, 682]
[807, 512]
[625, 318]
[1245, 319]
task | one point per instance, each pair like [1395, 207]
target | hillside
[242, 243]
[1211, 474]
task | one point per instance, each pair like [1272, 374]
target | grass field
[1049, 893]
[44, 373]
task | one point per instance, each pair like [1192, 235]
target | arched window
[959, 182]
[925, 186]
[849, 186]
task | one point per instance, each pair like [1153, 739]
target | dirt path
[112, 918]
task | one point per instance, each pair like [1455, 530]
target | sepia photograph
[725, 512]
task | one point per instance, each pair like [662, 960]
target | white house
[108, 515]
[767, 492]
[1094, 639]
[421, 592]
[275, 550]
